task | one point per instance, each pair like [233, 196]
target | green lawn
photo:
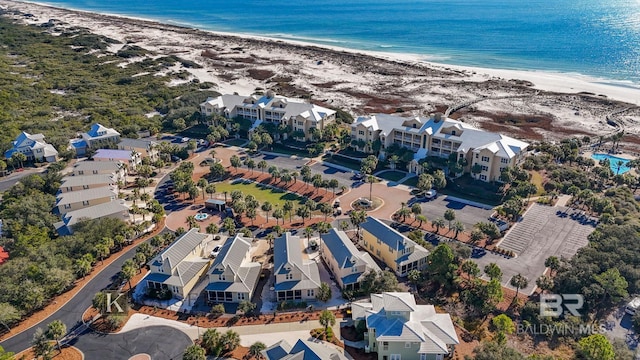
[339, 160]
[392, 175]
[235, 142]
[282, 149]
[274, 196]
[411, 181]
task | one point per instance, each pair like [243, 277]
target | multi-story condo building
[399, 329]
[348, 265]
[179, 267]
[233, 276]
[116, 209]
[295, 113]
[440, 136]
[33, 147]
[296, 279]
[146, 148]
[96, 137]
[76, 183]
[75, 200]
[397, 251]
[116, 169]
[130, 158]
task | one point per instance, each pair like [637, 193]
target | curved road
[71, 314]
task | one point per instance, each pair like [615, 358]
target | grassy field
[339, 160]
[411, 181]
[235, 142]
[275, 197]
[392, 175]
[536, 179]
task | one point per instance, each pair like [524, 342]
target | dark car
[357, 176]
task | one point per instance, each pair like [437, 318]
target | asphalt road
[10, 180]
[294, 164]
[71, 313]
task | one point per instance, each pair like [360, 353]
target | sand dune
[549, 106]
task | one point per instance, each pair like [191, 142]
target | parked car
[501, 224]
[336, 203]
[215, 251]
[431, 194]
[338, 211]
[357, 175]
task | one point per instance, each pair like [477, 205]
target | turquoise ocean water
[598, 38]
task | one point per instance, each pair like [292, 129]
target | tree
[441, 266]
[544, 283]
[326, 319]
[504, 324]
[457, 227]
[267, 207]
[211, 341]
[102, 251]
[471, 269]
[19, 158]
[425, 182]
[82, 266]
[324, 292]
[553, 263]
[128, 271]
[496, 351]
[439, 180]
[235, 162]
[421, 218]
[404, 212]
[246, 307]
[8, 314]
[450, 215]
[217, 170]
[41, 345]
[303, 212]
[140, 260]
[519, 281]
[596, 347]
[6, 355]
[278, 214]
[437, 223]
[55, 330]
[288, 208]
[255, 350]
[194, 352]
[230, 341]
[493, 271]
[416, 209]
[613, 284]
[476, 169]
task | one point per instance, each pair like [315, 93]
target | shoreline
[543, 79]
[531, 105]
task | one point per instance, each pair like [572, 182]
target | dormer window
[453, 133]
[414, 126]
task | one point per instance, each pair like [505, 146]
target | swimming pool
[613, 163]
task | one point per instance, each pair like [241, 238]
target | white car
[431, 194]
[215, 251]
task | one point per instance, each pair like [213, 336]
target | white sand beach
[526, 104]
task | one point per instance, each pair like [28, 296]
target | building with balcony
[33, 147]
[179, 267]
[397, 251]
[399, 329]
[346, 263]
[233, 276]
[298, 114]
[96, 137]
[296, 279]
[441, 137]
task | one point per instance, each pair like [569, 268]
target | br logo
[555, 305]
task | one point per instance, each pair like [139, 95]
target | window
[453, 133]
[390, 249]
[289, 276]
[81, 172]
[395, 357]
[483, 177]
[484, 168]
[407, 345]
[67, 206]
[485, 158]
[85, 186]
[310, 293]
[221, 277]
[241, 296]
[385, 345]
[361, 132]
[477, 156]
[354, 269]
[300, 123]
[423, 356]
[378, 253]
[379, 241]
[86, 202]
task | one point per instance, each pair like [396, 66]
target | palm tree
[213, 153]
[450, 215]
[438, 223]
[191, 221]
[102, 251]
[262, 165]
[421, 218]
[308, 231]
[210, 189]
[475, 236]
[267, 207]
[288, 208]
[457, 227]
[202, 184]
[55, 330]
[519, 281]
[371, 179]
[230, 341]
[256, 348]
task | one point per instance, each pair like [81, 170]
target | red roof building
[4, 256]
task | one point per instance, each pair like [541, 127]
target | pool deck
[589, 154]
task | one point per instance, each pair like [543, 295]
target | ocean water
[598, 38]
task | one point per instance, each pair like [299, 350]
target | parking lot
[543, 231]
[467, 214]
[294, 163]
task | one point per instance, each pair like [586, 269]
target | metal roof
[85, 195]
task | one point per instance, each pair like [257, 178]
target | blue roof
[156, 277]
[218, 286]
[384, 232]
[78, 143]
[287, 285]
[351, 278]
[340, 247]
